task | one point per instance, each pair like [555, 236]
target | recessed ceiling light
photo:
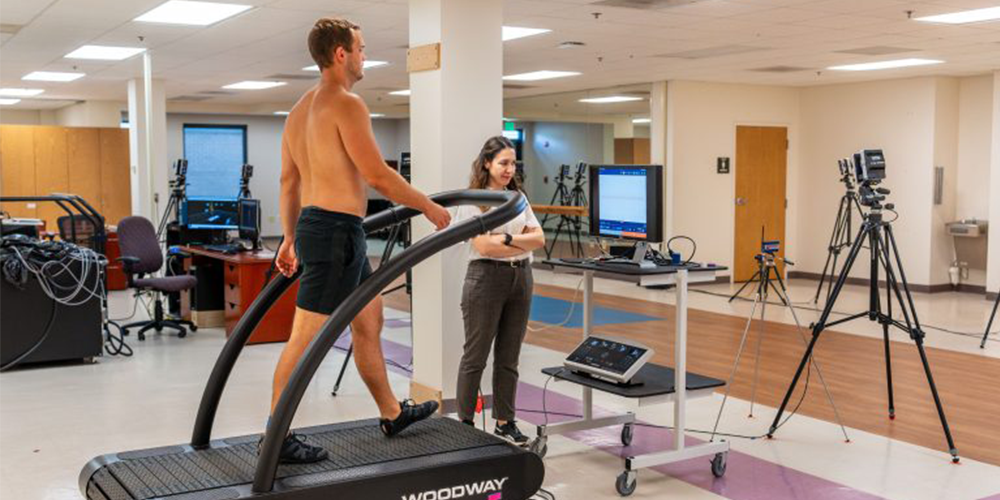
[895, 63]
[282, 113]
[513, 32]
[540, 75]
[191, 13]
[400, 92]
[365, 65]
[14, 92]
[52, 76]
[642, 120]
[253, 85]
[965, 16]
[8, 102]
[377, 115]
[104, 52]
[610, 99]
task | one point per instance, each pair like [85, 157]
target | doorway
[761, 164]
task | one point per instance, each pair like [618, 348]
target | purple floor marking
[747, 477]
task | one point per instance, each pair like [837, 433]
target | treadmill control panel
[611, 358]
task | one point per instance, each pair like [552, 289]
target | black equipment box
[75, 332]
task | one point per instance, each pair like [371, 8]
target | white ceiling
[623, 46]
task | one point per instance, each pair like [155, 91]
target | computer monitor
[249, 219]
[210, 214]
[626, 202]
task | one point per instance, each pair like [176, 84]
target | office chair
[141, 255]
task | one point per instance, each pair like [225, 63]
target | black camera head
[869, 166]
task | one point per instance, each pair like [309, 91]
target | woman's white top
[515, 226]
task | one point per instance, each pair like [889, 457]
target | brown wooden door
[761, 161]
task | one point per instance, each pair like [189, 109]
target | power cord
[569, 315]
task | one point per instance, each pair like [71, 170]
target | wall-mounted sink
[967, 228]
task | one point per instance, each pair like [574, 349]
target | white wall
[946, 110]
[894, 115]
[91, 114]
[20, 117]
[264, 153]
[704, 120]
[548, 145]
[972, 187]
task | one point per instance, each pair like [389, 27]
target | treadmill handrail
[214, 388]
[281, 420]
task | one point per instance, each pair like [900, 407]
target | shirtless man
[328, 154]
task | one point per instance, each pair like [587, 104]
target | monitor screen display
[249, 215]
[626, 202]
[212, 214]
[606, 354]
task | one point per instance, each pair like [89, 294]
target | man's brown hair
[327, 35]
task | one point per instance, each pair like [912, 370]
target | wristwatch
[507, 239]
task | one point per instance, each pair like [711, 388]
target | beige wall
[946, 118]
[993, 266]
[91, 114]
[972, 187]
[704, 119]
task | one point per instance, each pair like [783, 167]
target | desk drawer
[231, 273]
[232, 294]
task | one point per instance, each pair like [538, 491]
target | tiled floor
[54, 419]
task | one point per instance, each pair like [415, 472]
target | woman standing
[496, 298]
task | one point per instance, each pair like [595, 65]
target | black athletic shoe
[411, 412]
[510, 432]
[295, 451]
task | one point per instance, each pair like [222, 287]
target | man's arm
[290, 201]
[359, 141]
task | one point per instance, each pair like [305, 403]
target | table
[660, 384]
[244, 277]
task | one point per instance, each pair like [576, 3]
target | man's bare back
[329, 179]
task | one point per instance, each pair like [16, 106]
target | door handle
[741, 201]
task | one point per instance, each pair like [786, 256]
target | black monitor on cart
[626, 202]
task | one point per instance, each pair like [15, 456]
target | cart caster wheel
[719, 465]
[540, 446]
[193, 328]
[181, 334]
[627, 431]
[626, 482]
[141, 336]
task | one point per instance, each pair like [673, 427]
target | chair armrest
[129, 261]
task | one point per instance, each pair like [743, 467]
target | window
[216, 155]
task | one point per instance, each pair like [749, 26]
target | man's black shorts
[333, 254]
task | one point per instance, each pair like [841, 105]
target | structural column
[993, 261]
[149, 172]
[453, 110]
[660, 137]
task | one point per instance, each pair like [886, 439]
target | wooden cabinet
[243, 277]
[632, 151]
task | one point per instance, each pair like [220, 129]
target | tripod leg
[989, 324]
[917, 335]
[765, 273]
[782, 297]
[736, 364]
[343, 368]
[885, 340]
[829, 250]
[815, 362]
[818, 328]
[753, 278]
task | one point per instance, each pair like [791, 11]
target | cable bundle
[68, 274]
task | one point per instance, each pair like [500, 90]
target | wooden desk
[568, 211]
[243, 279]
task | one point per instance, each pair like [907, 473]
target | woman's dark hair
[480, 177]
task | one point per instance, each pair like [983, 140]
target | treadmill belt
[177, 470]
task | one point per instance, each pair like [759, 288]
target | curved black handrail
[78, 203]
[513, 203]
[201, 434]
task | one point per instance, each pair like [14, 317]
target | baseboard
[947, 287]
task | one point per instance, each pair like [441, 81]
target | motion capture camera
[869, 166]
[845, 167]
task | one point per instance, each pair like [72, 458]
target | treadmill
[435, 459]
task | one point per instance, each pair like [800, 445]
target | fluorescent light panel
[253, 85]
[8, 102]
[15, 92]
[52, 76]
[377, 115]
[400, 92]
[365, 65]
[191, 13]
[104, 52]
[895, 63]
[514, 32]
[281, 113]
[965, 16]
[642, 120]
[539, 75]
[610, 99]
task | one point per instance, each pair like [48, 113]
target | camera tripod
[841, 237]
[576, 197]
[993, 315]
[877, 232]
[177, 187]
[766, 267]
